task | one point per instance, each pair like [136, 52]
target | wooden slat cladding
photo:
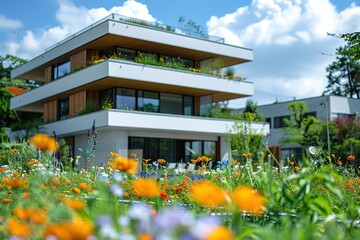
[50, 111]
[78, 61]
[48, 74]
[92, 98]
[77, 103]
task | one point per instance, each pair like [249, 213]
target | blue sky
[288, 37]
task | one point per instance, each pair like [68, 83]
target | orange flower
[76, 204]
[76, 190]
[42, 186]
[2, 169]
[146, 187]
[125, 165]
[161, 161]
[220, 233]
[297, 169]
[32, 215]
[339, 163]
[249, 200]
[55, 181]
[19, 229]
[14, 150]
[126, 195]
[208, 194]
[6, 200]
[84, 186]
[44, 142]
[145, 236]
[194, 160]
[351, 158]
[249, 154]
[146, 160]
[33, 162]
[14, 182]
[114, 154]
[74, 230]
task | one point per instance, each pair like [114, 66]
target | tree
[353, 42]
[252, 107]
[343, 75]
[302, 128]
[8, 63]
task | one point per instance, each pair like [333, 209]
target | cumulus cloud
[288, 39]
[71, 19]
[7, 23]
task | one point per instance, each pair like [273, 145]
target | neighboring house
[104, 73]
[324, 108]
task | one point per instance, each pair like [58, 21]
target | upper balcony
[143, 36]
[120, 73]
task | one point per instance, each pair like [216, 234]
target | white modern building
[147, 86]
[324, 108]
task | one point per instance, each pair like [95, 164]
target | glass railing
[156, 25]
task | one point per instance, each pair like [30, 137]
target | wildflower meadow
[315, 198]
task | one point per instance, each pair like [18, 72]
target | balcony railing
[156, 25]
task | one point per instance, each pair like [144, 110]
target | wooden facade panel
[92, 98]
[50, 111]
[48, 74]
[78, 61]
[77, 103]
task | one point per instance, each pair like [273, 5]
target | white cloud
[71, 19]
[287, 38]
[7, 23]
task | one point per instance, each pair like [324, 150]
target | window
[148, 101]
[63, 106]
[107, 99]
[167, 150]
[310, 114]
[209, 149]
[170, 103]
[61, 69]
[279, 121]
[205, 105]
[268, 120]
[188, 105]
[125, 53]
[125, 99]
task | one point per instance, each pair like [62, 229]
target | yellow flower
[125, 165]
[44, 142]
[208, 194]
[19, 229]
[146, 187]
[220, 233]
[248, 199]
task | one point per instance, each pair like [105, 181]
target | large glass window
[125, 99]
[279, 121]
[170, 103]
[167, 149]
[148, 101]
[107, 98]
[209, 149]
[61, 69]
[205, 105]
[188, 105]
[126, 54]
[63, 106]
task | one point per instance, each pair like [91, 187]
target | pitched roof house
[147, 86]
